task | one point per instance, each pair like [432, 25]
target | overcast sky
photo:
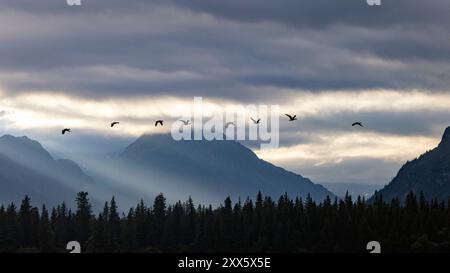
[329, 62]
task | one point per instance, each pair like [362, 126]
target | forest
[262, 225]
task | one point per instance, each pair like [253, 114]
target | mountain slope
[17, 180]
[429, 173]
[31, 154]
[211, 170]
[26, 168]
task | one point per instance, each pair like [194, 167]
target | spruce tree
[83, 217]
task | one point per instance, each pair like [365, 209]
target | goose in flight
[291, 118]
[185, 122]
[66, 130]
[114, 123]
[229, 123]
[256, 121]
[358, 123]
[159, 122]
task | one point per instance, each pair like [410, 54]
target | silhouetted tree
[83, 217]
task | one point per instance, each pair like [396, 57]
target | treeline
[262, 225]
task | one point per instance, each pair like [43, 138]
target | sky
[329, 62]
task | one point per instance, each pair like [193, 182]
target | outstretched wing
[289, 116]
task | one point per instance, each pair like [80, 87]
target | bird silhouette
[114, 123]
[67, 130]
[159, 122]
[229, 123]
[256, 121]
[185, 122]
[358, 123]
[291, 118]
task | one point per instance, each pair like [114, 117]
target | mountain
[353, 189]
[17, 180]
[207, 170]
[26, 168]
[30, 153]
[429, 173]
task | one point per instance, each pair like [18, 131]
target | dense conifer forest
[260, 225]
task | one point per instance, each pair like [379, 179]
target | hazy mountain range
[26, 168]
[208, 171]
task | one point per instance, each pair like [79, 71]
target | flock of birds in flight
[187, 122]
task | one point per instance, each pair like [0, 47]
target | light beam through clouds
[50, 112]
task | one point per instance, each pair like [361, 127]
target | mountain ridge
[208, 171]
[33, 167]
[227, 163]
[429, 173]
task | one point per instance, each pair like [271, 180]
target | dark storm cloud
[245, 45]
[296, 13]
[90, 6]
[321, 13]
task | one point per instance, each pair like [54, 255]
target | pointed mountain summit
[445, 138]
[429, 173]
[23, 149]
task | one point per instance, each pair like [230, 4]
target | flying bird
[159, 122]
[291, 118]
[357, 124]
[67, 130]
[114, 123]
[229, 123]
[256, 121]
[185, 122]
